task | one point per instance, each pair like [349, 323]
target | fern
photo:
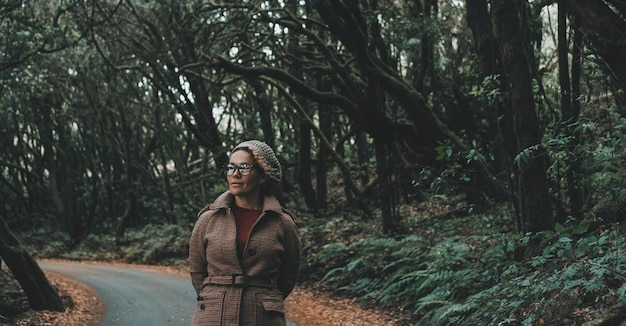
[621, 293]
[472, 280]
[594, 285]
[333, 274]
[446, 313]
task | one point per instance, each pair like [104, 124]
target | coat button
[202, 306]
[252, 252]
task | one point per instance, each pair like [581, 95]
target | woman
[244, 251]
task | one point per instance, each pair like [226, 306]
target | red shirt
[244, 219]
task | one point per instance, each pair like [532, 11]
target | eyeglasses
[244, 169]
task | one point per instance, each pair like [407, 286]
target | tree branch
[295, 84]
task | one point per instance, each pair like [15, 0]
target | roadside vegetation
[473, 271]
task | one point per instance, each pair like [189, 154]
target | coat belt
[242, 280]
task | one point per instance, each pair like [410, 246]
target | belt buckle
[233, 280]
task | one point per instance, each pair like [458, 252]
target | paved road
[134, 296]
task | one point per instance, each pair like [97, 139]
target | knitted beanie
[264, 156]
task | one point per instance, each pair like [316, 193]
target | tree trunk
[167, 189]
[426, 58]
[577, 196]
[564, 81]
[41, 295]
[304, 166]
[390, 222]
[534, 201]
[265, 110]
[70, 178]
[94, 204]
[305, 179]
[363, 157]
[485, 44]
[498, 138]
[50, 157]
[122, 223]
[206, 128]
[322, 156]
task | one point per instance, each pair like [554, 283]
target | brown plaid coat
[250, 291]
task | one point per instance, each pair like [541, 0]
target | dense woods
[117, 115]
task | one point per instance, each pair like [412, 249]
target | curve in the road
[133, 296]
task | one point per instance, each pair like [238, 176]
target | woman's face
[244, 185]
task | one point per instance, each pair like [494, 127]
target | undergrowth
[474, 275]
[152, 244]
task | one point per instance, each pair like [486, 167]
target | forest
[456, 162]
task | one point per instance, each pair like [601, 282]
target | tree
[41, 295]
[603, 26]
[347, 51]
[531, 162]
[141, 107]
[20, 21]
[570, 107]
[348, 79]
[501, 49]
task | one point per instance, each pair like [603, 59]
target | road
[134, 296]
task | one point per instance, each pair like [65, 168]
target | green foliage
[607, 160]
[473, 279]
[156, 244]
[427, 280]
[488, 92]
[152, 244]
[458, 166]
[597, 143]
[526, 154]
[569, 273]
